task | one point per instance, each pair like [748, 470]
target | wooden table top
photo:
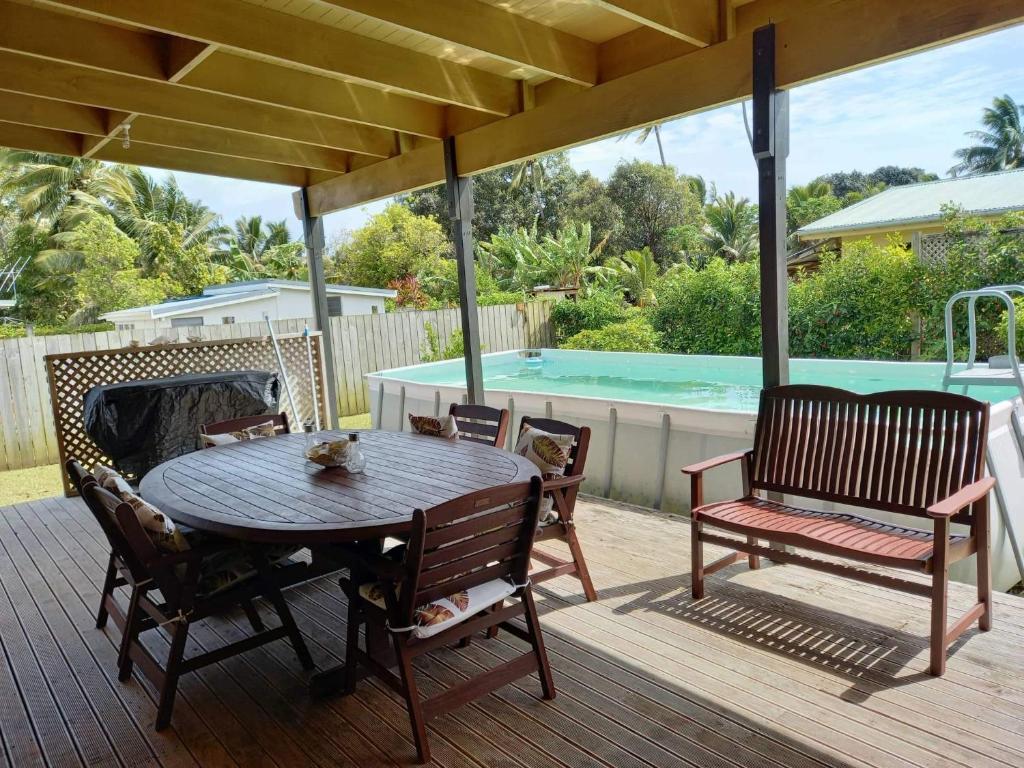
[265, 490]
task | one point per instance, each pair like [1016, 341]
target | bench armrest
[558, 483]
[962, 498]
[703, 466]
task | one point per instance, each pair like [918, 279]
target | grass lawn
[40, 482]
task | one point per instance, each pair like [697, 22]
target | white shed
[250, 302]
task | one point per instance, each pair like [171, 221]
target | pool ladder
[999, 371]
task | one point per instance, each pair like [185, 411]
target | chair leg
[255, 621]
[492, 632]
[355, 618]
[537, 640]
[753, 561]
[108, 589]
[696, 560]
[129, 636]
[169, 687]
[581, 565]
[288, 622]
[984, 556]
[412, 701]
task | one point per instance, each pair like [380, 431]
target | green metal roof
[987, 194]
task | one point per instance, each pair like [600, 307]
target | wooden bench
[913, 453]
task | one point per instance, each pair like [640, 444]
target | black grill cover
[140, 424]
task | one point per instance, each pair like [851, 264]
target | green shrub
[859, 305]
[632, 335]
[18, 332]
[1004, 319]
[590, 313]
[712, 311]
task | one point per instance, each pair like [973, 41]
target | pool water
[700, 381]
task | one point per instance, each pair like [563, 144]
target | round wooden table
[266, 491]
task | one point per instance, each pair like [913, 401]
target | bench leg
[754, 561]
[940, 598]
[696, 560]
[984, 556]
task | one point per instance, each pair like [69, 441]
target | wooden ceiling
[351, 97]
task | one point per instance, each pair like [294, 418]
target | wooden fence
[362, 344]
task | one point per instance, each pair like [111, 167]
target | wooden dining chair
[481, 423]
[206, 580]
[563, 491]
[464, 557]
[279, 420]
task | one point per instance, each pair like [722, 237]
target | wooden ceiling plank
[33, 139]
[695, 21]
[832, 38]
[43, 33]
[80, 85]
[489, 30]
[269, 83]
[636, 50]
[251, 28]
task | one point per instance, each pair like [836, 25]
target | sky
[909, 112]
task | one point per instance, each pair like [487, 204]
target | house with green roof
[914, 212]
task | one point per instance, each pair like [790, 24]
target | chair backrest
[481, 423]
[469, 541]
[897, 451]
[580, 443]
[120, 533]
[280, 421]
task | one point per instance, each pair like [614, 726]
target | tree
[44, 187]
[731, 229]
[653, 200]
[394, 244]
[853, 186]
[636, 273]
[999, 146]
[809, 203]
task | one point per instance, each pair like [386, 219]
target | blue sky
[909, 112]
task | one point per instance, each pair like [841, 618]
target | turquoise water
[700, 381]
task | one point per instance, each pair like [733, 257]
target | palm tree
[1000, 145]
[569, 258]
[731, 228]
[636, 272]
[644, 134]
[46, 187]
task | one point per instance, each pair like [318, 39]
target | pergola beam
[832, 38]
[695, 21]
[286, 38]
[80, 85]
[489, 30]
[59, 37]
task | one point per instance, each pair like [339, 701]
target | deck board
[776, 668]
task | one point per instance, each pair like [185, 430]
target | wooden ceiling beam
[33, 139]
[826, 40]
[55, 115]
[694, 21]
[489, 30]
[57, 36]
[174, 159]
[80, 85]
[230, 73]
[253, 29]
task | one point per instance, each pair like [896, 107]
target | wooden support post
[313, 236]
[771, 146]
[460, 210]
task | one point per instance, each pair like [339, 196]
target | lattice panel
[73, 374]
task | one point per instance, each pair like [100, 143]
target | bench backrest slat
[898, 451]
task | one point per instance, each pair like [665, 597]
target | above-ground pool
[651, 414]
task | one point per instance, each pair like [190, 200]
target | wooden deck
[781, 668]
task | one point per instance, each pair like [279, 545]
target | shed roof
[987, 194]
[350, 98]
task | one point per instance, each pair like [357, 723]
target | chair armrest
[558, 483]
[703, 466]
[962, 498]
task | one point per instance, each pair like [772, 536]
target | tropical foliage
[999, 146]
